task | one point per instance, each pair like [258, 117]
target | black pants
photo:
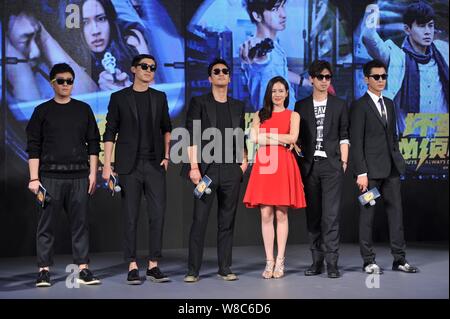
[390, 192]
[226, 183]
[323, 189]
[72, 195]
[150, 178]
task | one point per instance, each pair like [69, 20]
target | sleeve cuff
[167, 130]
[33, 156]
[346, 141]
[108, 139]
[364, 174]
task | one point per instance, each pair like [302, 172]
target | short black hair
[140, 57]
[61, 68]
[318, 66]
[420, 12]
[217, 61]
[259, 6]
[367, 68]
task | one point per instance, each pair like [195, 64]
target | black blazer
[202, 108]
[122, 119]
[335, 129]
[374, 145]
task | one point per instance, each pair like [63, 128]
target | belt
[319, 158]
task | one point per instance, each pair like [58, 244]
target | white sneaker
[405, 268]
[373, 269]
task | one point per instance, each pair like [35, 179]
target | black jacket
[203, 108]
[335, 129]
[374, 145]
[122, 119]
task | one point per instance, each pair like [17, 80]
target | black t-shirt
[62, 136]
[224, 122]
[146, 143]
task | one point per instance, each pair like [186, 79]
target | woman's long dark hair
[266, 112]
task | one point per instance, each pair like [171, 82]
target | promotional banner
[259, 38]
[411, 38]
[98, 38]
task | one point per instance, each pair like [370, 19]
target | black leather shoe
[333, 271]
[404, 266]
[314, 270]
[133, 277]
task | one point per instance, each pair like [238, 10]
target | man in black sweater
[63, 146]
[139, 116]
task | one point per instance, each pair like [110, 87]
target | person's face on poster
[218, 77]
[63, 84]
[275, 19]
[96, 28]
[23, 33]
[147, 75]
[420, 35]
[322, 81]
[374, 81]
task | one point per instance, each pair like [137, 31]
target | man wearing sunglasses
[377, 162]
[324, 143]
[219, 113]
[63, 147]
[139, 116]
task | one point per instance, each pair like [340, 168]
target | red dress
[275, 178]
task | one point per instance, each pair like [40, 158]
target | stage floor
[17, 277]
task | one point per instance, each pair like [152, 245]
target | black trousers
[149, 178]
[72, 195]
[323, 189]
[390, 192]
[226, 180]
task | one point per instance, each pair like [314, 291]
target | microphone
[113, 185]
[203, 187]
[43, 198]
[369, 197]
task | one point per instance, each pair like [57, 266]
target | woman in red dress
[275, 182]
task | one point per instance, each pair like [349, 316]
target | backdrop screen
[259, 39]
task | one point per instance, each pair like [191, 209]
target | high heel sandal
[279, 268]
[268, 271]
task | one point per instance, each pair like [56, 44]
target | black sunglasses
[224, 71]
[61, 81]
[376, 77]
[145, 66]
[320, 77]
